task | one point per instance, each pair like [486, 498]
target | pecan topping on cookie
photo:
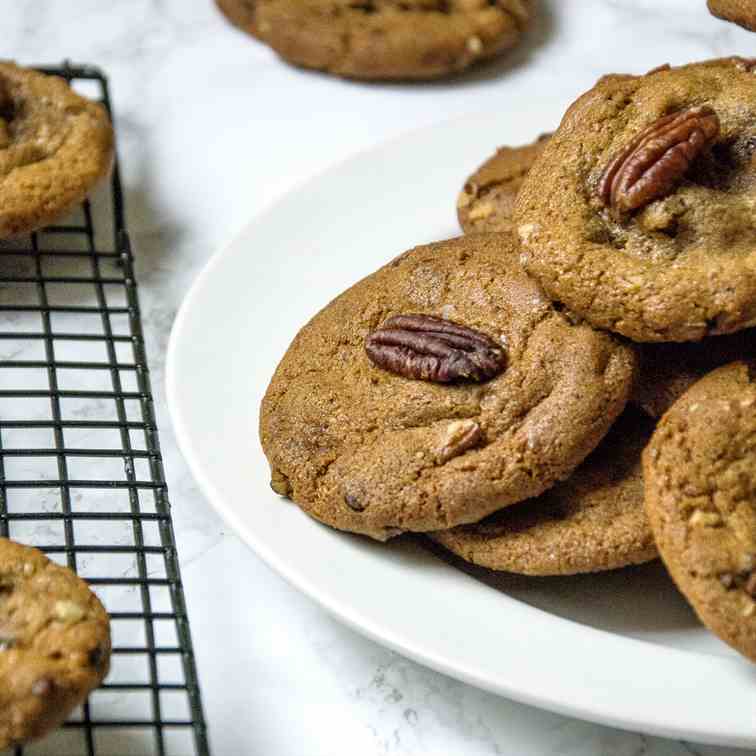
[650, 166]
[428, 348]
[460, 436]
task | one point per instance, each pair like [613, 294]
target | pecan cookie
[437, 390]
[700, 488]
[639, 215]
[742, 12]
[54, 643]
[487, 198]
[240, 13]
[54, 147]
[383, 39]
[669, 370]
[593, 521]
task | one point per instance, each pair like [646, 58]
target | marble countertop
[213, 128]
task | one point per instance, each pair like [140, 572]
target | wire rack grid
[75, 400]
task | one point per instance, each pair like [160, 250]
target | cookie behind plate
[741, 12]
[54, 643]
[383, 39]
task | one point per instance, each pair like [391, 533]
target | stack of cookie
[497, 391]
[54, 633]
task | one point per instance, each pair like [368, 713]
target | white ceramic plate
[622, 648]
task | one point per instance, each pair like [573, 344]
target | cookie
[593, 521]
[700, 489]
[437, 390]
[742, 12]
[54, 643]
[669, 370]
[240, 13]
[487, 198]
[383, 39]
[54, 147]
[639, 214]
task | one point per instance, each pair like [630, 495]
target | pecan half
[651, 165]
[428, 348]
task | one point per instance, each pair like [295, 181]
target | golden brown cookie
[371, 450]
[54, 147]
[742, 12]
[700, 488]
[639, 214]
[54, 643]
[487, 198]
[240, 13]
[669, 370]
[593, 521]
[383, 39]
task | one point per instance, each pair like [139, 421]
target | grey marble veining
[212, 128]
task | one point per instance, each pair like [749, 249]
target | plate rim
[607, 715]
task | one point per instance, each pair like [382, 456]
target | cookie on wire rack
[55, 145]
[54, 643]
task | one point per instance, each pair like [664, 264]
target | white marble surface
[212, 128]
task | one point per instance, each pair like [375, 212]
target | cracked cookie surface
[741, 12]
[668, 370]
[54, 643]
[700, 495]
[592, 521]
[383, 39]
[488, 196]
[682, 265]
[54, 147]
[370, 451]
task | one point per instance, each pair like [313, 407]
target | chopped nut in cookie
[459, 436]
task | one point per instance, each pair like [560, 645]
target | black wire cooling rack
[75, 390]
